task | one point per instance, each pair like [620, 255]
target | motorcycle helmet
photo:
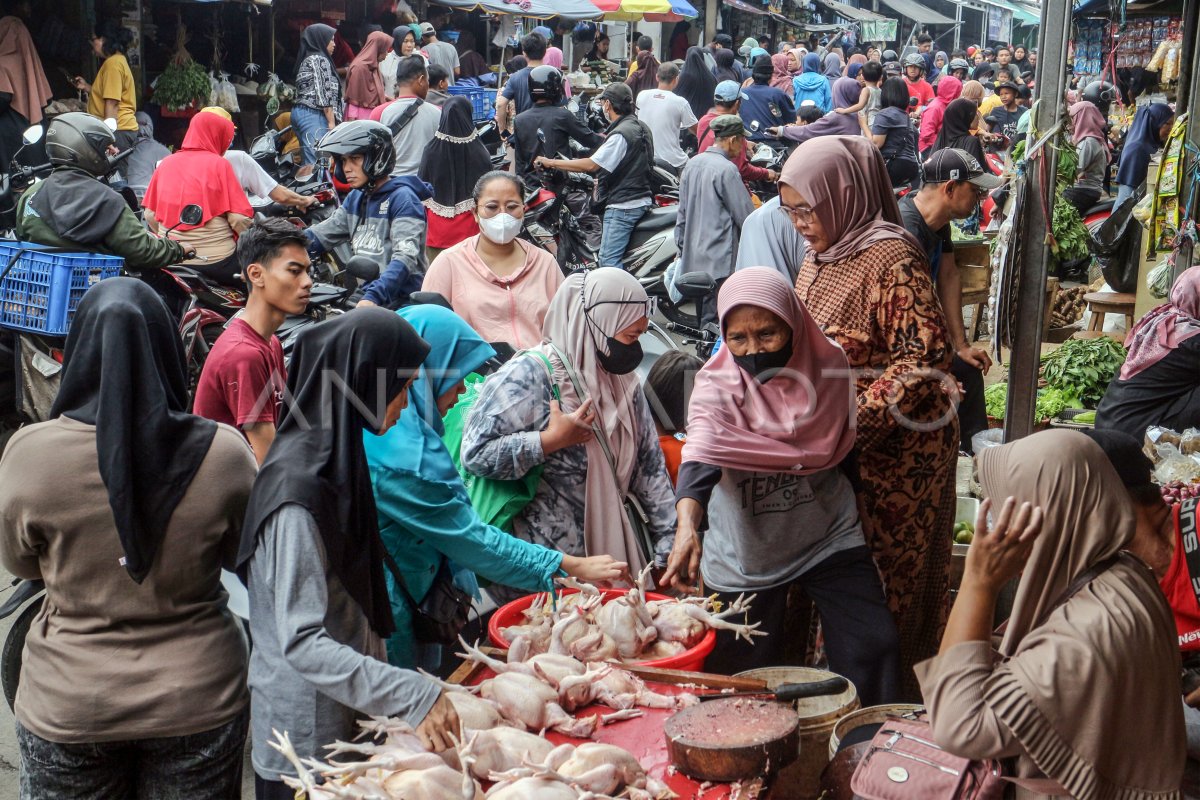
[889, 56]
[373, 140]
[1101, 94]
[914, 60]
[892, 69]
[76, 139]
[546, 83]
[959, 64]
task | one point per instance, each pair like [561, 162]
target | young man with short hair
[439, 82]
[443, 54]
[415, 127]
[666, 114]
[924, 43]
[516, 97]
[954, 183]
[243, 379]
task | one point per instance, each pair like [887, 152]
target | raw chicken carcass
[687, 621]
[435, 783]
[475, 714]
[533, 788]
[607, 769]
[526, 700]
[498, 750]
[628, 623]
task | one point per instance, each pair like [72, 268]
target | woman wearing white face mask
[501, 285]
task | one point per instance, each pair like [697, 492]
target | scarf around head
[343, 374]
[726, 68]
[957, 120]
[313, 42]
[1088, 122]
[1114, 639]
[1141, 143]
[696, 82]
[646, 76]
[414, 444]
[454, 160]
[1165, 327]
[846, 182]
[781, 74]
[973, 91]
[364, 83]
[588, 308]
[125, 373]
[21, 73]
[948, 90]
[801, 421]
[399, 34]
[833, 67]
[198, 173]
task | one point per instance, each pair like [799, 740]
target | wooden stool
[1101, 304]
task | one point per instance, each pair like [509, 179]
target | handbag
[444, 610]
[904, 763]
[639, 520]
[497, 501]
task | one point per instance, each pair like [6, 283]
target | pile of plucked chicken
[556, 665]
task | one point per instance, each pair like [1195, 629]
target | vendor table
[642, 736]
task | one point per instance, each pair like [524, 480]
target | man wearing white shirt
[259, 186]
[666, 114]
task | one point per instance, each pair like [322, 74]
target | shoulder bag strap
[402, 121]
[1189, 537]
[597, 426]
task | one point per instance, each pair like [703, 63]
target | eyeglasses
[803, 215]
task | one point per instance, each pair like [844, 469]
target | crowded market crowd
[812, 455]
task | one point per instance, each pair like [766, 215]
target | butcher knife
[791, 691]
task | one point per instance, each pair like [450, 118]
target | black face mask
[622, 358]
[768, 364]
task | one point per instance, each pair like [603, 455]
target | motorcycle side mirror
[363, 268]
[110, 123]
[573, 106]
[32, 134]
[755, 126]
[191, 215]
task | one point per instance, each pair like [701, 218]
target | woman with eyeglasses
[572, 407]
[866, 282]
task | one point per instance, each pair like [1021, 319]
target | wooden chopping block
[733, 739]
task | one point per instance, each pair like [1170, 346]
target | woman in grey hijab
[139, 165]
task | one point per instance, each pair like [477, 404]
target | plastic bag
[1158, 281]
[226, 94]
[1143, 209]
[1175, 466]
[1158, 436]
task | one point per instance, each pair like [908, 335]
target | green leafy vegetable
[995, 398]
[1083, 367]
[1050, 402]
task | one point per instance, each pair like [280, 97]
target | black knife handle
[797, 691]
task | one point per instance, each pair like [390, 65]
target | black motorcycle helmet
[889, 56]
[76, 139]
[546, 83]
[373, 140]
[1101, 94]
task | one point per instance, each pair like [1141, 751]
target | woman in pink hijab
[1157, 383]
[554, 58]
[867, 284]
[1093, 149]
[770, 424]
[781, 73]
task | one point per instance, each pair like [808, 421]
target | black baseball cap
[952, 164]
[617, 91]
[724, 39]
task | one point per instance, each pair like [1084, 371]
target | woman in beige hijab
[1085, 693]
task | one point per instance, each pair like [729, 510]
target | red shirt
[672, 448]
[920, 90]
[243, 378]
[1177, 585]
[748, 171]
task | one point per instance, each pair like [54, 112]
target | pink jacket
[507, 309]
[948, 90]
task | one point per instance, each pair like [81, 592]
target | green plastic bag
[497, 502]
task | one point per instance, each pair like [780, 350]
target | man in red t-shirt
[244, 376]
[914, 76]
[1168, 540]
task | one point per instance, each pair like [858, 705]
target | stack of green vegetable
[1076, 374]
[1070, 235]
[1050, 402]
[183, 83]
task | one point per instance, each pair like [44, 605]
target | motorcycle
[696, 286]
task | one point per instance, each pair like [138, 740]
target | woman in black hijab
[317, 106]
[956, 130]
[726, 68]
[453, 162]
[696, 82]
[319, 610]
[133, 675]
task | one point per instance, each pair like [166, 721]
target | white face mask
[501, 229]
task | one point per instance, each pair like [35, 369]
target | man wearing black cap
[713, 204]
[954, 183]
[1167, 540]
[623, 165]
[763, 103]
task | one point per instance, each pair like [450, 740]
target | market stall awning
[917, 12]
[538, 9]
[749, 7]
[652, 10]
[850, 12]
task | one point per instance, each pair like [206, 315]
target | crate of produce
[42, 286]
[482, 105]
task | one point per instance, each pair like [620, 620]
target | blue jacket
[390, 229]
[813, 86]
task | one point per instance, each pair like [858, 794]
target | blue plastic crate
[44, 286]
[482, 101]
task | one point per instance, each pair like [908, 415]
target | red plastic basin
[691, 659]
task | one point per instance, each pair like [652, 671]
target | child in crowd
[667, 389]
[808, 114]
[868, 99]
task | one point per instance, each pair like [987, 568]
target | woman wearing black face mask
[770, 426]
[574, 406]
